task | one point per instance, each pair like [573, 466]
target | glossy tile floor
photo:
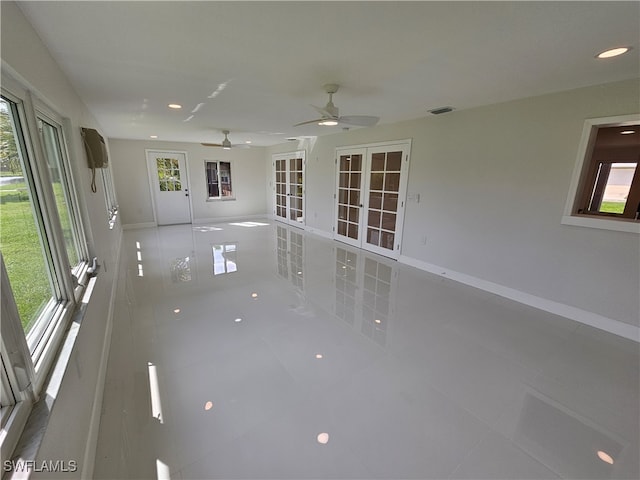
[256, 350]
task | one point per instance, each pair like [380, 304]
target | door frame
[364, 197]
[151, 177]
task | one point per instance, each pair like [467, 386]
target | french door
[288, 181]
[370, 198]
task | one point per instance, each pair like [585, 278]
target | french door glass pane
[21, 239]
[53, 151]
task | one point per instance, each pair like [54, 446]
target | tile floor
[256, 350]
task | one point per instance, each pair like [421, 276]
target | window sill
[226, 199]
[617, 225]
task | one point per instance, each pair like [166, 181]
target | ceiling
[255, 67]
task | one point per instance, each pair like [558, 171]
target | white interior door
[370, 197]
[169, 186]
[288, 181]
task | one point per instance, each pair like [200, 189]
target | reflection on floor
[256, 350]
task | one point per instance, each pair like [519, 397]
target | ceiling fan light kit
[330, 114]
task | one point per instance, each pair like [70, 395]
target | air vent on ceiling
[438, 111]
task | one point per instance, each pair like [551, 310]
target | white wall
[69, 432]
[493, 182]
[134, 194]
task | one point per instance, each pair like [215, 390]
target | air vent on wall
[438, 111]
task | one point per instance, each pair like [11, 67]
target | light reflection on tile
[180, 270]
[224, 258]
[419, 377]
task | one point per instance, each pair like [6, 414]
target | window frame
[220, 197]
[27, 358]
[27, 145]
[62, 126]
[580, 180]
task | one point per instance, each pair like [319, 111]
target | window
[219, 180]
[611, 183]
[43, 250]
[51, 135]
[606, 185]
[23, 240]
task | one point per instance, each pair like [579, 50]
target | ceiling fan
[226, 143]
[330, 115]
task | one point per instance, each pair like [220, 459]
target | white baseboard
[588, 318]
[96, 411]
[132, 226]
[198, 221]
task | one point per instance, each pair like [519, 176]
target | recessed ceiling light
[174, 105]
[605, 457]
[323, 438]
[153, 136]
[247, 141]
[254, 295]
[208, 405]
[613, 52]
[627, 132]
[318, 356]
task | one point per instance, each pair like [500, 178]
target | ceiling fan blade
[359, 120]
[323, 111]
[316, 121]
[239, 145]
